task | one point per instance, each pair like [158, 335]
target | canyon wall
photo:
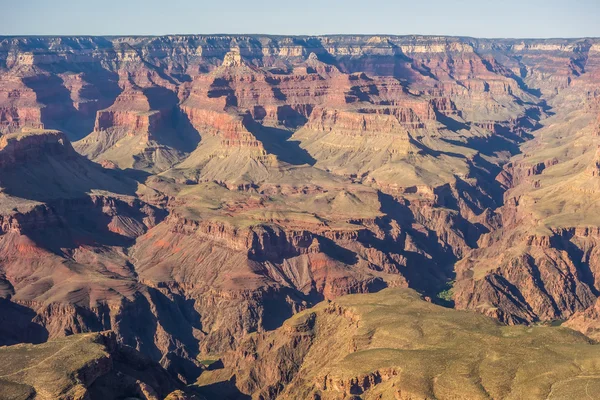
[188, 192]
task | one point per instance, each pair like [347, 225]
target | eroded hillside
[393, 345]
[185, 192]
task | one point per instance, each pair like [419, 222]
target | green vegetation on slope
[394, 345]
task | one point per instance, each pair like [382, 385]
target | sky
[476, 18]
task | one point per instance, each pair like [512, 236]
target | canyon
[198, 201]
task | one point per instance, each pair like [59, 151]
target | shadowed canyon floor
[191, 194]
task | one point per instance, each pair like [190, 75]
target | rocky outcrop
[81, 367]
[17, 149]
[266, 272]
[586, 321]
[515, 174]
[354, 124]
[132, 131]
[18, 106]
[260, 242]
[346, 348]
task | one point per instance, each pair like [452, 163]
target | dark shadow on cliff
[396, 64]
[59, 111]
[71, 216]
[277, 249]
[473, 197]
[276, 310]
[337, 252]
[130, 173]
[512, 294]
[50, 169]
[579, 258]
[177, 131]
[276, 141]
[138, 324]
[451, 123]
[106, 84]
[17, 325]
[224, 390]
[314, 45]
[56, 98]
[129, 368]
[519, 79]
[504, 139]
[490, 146]
[427, 272]
[486, 173]
[286, 116]
[84, 222]
[434, 153]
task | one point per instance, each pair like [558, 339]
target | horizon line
[2, 35]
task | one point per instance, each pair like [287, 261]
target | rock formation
[392, 344]
[87, 366]
[218, 185]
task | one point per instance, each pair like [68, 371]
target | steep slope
[143, 129]
[66, 223]
[89, 366]
[541, 264]
[393, 345]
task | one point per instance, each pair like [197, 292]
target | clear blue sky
[479, 18]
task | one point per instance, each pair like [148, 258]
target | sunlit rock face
[185, 192]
